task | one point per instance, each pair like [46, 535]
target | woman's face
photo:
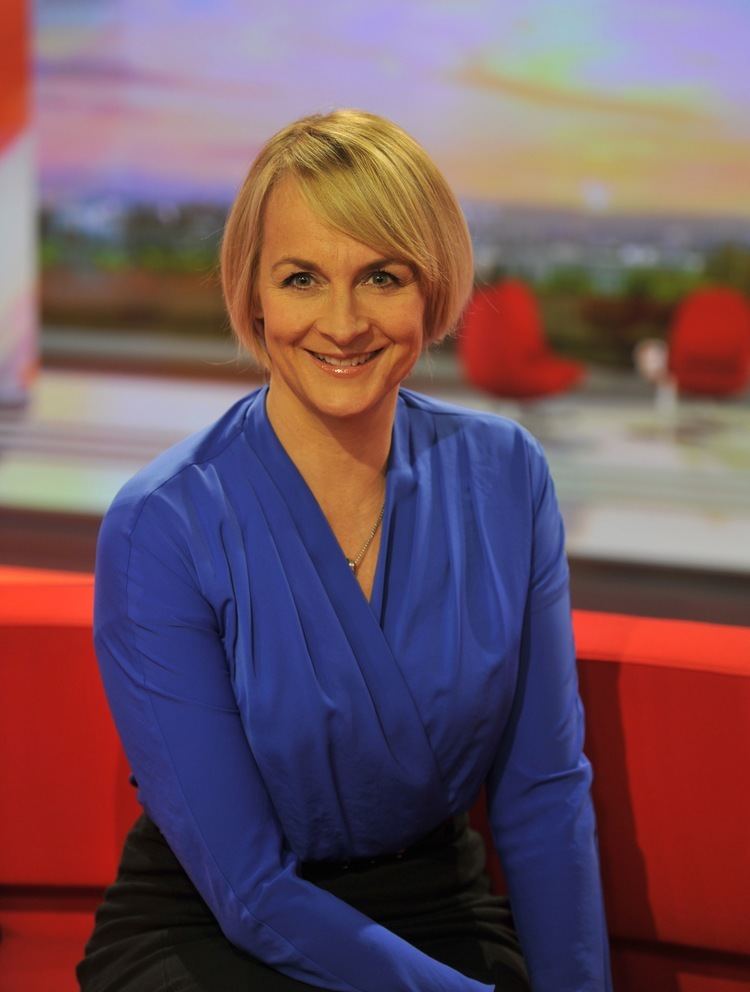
[342, 325]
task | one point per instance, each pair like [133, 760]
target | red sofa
[668, 711]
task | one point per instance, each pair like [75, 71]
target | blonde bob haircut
[366, 177]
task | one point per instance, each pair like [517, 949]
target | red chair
[709, 343]
[503, 349]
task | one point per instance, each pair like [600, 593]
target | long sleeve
[168, 681]
[538, 789]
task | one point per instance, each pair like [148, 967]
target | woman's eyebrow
[302, 263]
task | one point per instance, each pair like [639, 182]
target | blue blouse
[272, 714]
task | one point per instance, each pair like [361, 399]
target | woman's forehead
[293, 229]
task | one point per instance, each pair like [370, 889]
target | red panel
[670, 748]
[23, 575]
[30, 596]
[681, 644]
[14, 68]
[479, 821]
[667, 711]
[61, 762]
[61, 765]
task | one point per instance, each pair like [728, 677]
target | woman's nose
[341, 319]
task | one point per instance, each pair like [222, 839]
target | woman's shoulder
[484, 432]
[170, 471]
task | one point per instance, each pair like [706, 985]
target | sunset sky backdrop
[618, 105]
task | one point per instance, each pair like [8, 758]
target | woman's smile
[344, 365]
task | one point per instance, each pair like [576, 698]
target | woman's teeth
[346, 362]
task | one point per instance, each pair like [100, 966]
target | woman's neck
[342, 459]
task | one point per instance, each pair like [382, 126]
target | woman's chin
[345, 403]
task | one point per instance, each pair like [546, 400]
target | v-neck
[308, 515]
[337, 664]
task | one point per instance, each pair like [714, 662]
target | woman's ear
[258, 324]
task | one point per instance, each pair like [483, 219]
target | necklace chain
[354, 562]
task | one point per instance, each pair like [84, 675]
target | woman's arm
[167, 681]
[538, 789]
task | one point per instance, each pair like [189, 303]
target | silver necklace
[353, 563]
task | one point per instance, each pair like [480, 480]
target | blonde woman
[325, 621]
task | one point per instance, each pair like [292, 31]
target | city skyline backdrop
[609, 107]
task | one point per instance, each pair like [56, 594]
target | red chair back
[503, 349]
[709, 343]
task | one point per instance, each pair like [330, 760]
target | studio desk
[668, 734]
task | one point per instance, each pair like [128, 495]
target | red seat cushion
[669, 968]
[40, 949]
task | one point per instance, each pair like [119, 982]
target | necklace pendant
[352, 562]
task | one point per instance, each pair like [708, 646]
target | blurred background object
[651, 361]
[709, 343]
[503, 347]
[18, 263]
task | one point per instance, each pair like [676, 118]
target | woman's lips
[344, 370]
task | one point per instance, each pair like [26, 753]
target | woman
[324, 622]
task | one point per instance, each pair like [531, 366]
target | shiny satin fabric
[273, 715]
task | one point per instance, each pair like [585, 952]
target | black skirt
[154, 933]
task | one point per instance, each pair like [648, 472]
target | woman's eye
[383, 278]
[304, 280]
[299, 280]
